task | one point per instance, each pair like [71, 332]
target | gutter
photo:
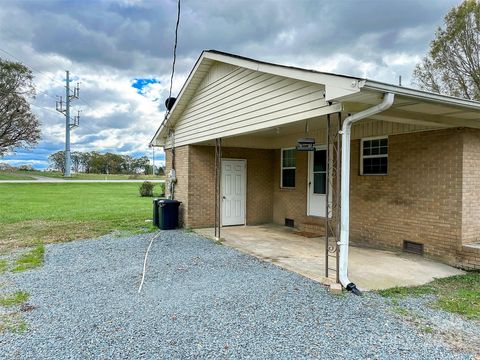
[420, 94]
[345, 187]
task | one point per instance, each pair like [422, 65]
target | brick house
[414, 174]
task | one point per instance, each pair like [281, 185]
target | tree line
[108, 163]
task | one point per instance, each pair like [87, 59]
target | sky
[121, 53]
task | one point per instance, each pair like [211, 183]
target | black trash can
[155, 212]
[168, 214]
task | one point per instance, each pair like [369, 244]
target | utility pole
[153, 160]
[68, 124]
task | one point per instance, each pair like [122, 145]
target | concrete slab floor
[369, 269]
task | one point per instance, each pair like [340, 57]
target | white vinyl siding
[371, 128]
[241, 100]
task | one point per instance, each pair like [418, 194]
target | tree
[76, 161]
[452, 65]
[96, 163]
[142, 164]
[57, 161]
[19, 127]
[113, 163]
[85, 161]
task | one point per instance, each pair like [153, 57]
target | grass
[56, 212]
[3, 266]
[12, 322]
[428, 330]
[408, 291]
[82, 176]
[456, 294]
[401, 311]
[56, 174]
[14, 299]
[11, 176]
[79, 176]
[31, 259]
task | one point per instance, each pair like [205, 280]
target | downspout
[345, 187]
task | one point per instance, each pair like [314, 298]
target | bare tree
[19, 127]
[452, 65]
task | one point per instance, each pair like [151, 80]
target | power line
[29, 66]
[174, 49]
[42, 73]
[30, 103]
[44, 108]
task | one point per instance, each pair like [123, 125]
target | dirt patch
[48, 231]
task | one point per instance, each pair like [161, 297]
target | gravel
[199, 300]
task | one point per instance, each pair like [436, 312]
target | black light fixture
[306, 144]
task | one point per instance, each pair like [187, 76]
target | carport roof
[411, 105]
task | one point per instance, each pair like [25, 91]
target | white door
[317, 180]
[233, 192]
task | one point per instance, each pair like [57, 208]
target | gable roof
[338, 87]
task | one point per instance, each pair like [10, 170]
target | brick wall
[469, 258]
[292, 203]
[420, 198]
[471, 187]
[260, 176]
[181, 170]
[195, 168]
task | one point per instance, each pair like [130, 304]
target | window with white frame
[374, 156]
[288, 164]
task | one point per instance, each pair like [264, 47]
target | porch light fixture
[306, 144]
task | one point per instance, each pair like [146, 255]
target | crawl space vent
[289, 222]
[413, 247]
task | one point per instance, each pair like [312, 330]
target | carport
[371, 269]
[249, 142]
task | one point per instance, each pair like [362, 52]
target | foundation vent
[413, 247]
[289, 223]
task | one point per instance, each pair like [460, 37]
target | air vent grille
[289, 222]
[413, 247]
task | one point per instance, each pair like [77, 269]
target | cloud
[121, 52]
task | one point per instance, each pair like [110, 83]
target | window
[288, 168]
[374, 156]
[320, 171]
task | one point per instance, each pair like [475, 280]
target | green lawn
[82, 176]
[40, 173]
[55, 212]
[458, 294]
[11, 176]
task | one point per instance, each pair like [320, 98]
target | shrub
[146, 189]
[161, 192]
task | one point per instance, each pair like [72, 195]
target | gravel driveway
[200, 300]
